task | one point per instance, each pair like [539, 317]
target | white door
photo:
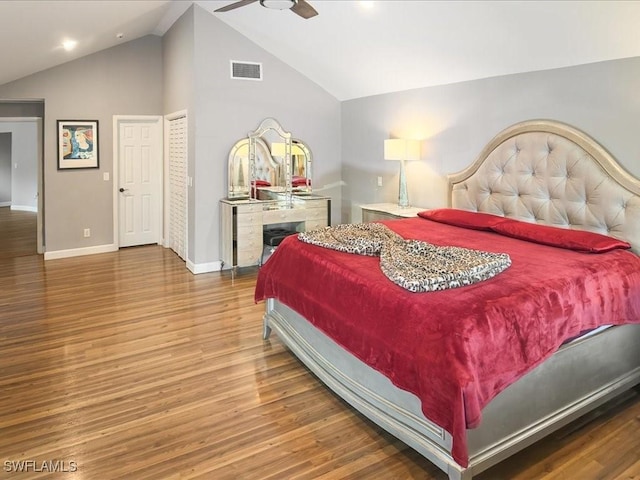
[177, 176]
[139, 182]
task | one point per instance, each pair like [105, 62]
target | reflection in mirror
[271, 161]
[239, 170]
[265, 169]
[270, 132]
[301, 159]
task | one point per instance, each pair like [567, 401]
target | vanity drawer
[249, 208]
[248, 232]
[249, 246]
[316, 204]
[249, 257]
[249, 219]
[284, 216]
[317, 214]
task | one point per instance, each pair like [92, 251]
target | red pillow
[299, 181]
[462, 218]
[577, 240]
[261, 183]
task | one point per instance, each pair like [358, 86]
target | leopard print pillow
[414, 265]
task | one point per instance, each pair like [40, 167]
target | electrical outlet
[87, 232]
[379, 181]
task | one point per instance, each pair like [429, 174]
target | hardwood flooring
[125, 365]
[17, 233]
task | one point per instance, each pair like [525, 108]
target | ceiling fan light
[278, 4]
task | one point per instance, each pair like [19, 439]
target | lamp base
[403, 195]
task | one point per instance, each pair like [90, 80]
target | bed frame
[541, 171]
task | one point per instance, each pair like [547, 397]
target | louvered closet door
[178, 186]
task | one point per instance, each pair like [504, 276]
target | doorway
[137, 180]
[21, 206]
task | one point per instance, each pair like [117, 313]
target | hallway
[17, 233]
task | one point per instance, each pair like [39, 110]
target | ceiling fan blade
[304, 9]
[233, 6]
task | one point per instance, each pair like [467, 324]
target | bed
[468, 376]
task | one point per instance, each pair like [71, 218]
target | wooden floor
[125, 365]
[17, 233]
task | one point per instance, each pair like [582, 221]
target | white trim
[116, 163]
[19, 119]
[5, 204]
[77, 252]
[24, 208]
[197, 268]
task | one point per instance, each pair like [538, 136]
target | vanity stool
[273, 237]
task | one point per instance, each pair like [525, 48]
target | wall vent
[246, 70]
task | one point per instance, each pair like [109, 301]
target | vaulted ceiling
[352, 48]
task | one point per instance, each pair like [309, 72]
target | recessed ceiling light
[119, 35]
[69, 45]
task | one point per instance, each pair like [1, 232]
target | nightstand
[387, 211]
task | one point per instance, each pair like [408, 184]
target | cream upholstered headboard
[265, 166]
[551, 173]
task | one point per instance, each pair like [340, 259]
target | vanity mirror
[271, 161]
[269, 191]
[301, 159]
[239, 171]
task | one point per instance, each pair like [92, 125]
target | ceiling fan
[299, 7]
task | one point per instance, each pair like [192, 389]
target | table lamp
[402, 150]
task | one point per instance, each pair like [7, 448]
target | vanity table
[243, 223]
[269, 187]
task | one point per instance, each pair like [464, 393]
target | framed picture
[77, 144]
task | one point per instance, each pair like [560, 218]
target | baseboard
[5, 204]
[197, 268]
[24, 208]
[77, 252]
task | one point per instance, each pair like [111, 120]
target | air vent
[246, 70]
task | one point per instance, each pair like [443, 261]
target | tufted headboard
[551, 173]
[266, 168]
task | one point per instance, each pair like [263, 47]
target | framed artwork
[77, 144]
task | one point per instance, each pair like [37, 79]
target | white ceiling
[349, 50]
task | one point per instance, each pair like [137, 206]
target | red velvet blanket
[455, 349]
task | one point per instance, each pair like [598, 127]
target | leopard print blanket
[414, 265]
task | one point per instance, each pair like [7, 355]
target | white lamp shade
[401, 149]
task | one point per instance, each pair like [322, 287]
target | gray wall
[23, 163]
[228, 109]
[457, 120]
[179, 86]
[188, 69]
[5, 169]
[124, 80]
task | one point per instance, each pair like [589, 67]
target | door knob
[122, 190]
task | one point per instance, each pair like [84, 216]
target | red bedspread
[455, 349]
